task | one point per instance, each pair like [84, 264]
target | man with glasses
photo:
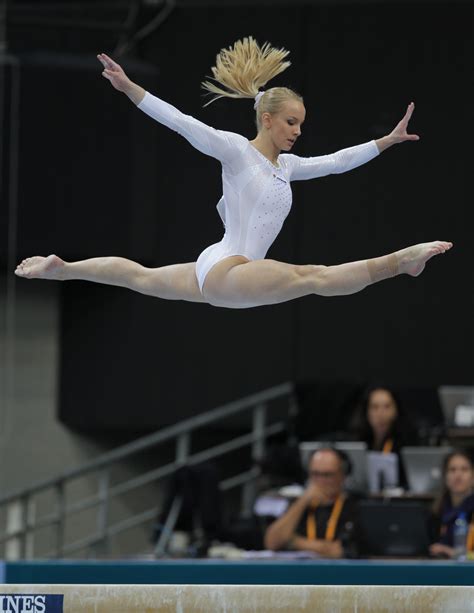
[321, 520]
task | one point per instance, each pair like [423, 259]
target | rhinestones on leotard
[274, 206]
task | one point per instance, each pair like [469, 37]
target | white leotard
[256, 194]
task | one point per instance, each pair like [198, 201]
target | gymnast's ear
[266, 120]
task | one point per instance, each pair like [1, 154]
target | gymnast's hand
[116, 75]
[399, 134]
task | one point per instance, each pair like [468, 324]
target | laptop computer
[357, 452]
[392, 528]
[457, 402]
[423, 467]
[382, 471]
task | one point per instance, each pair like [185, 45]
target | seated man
[321, 519]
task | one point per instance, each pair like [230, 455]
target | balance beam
[245, 598]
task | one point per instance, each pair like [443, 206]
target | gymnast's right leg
[175, 282]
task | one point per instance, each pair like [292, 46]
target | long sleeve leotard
[256, 193]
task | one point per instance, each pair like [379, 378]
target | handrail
[153, 475]
[157, 437]
[21, 539]
[147, 515]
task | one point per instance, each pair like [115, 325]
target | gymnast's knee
[313, 276]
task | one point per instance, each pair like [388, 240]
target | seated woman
[383, 425]
[457, 497]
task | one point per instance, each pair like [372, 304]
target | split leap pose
[256, 198]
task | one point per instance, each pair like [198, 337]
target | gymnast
[256, 199]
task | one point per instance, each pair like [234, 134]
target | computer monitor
[457, 401]
[357, 453]
[392, 528]
[382, 471]
[423, 466]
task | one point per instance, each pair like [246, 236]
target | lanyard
[311, 526]
[388, 446]
[470, 537]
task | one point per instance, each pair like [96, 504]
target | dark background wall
[98, 178]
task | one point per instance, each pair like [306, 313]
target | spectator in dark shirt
[321, 519]
[457, 497]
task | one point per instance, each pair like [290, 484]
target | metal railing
[18, 508]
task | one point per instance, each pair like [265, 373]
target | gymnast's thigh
[237, 282]
[173, 282]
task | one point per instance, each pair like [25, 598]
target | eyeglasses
[316, 474]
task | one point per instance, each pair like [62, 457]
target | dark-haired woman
[383, 425]
[457, 497]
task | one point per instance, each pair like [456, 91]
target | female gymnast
[256, 198]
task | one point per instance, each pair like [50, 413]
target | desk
[460, 436]
[249, 572]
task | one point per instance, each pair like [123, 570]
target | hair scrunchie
[257, 99]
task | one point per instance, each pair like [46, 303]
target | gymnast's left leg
[238, 283]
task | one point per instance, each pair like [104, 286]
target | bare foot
[38, 267]
[412, 260]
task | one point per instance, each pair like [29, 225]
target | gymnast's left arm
[400, 132]
[352, 157]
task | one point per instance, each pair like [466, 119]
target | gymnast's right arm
[215, 143]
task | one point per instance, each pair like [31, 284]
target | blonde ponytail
[244, 68]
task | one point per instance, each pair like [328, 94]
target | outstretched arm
[352, 157]
[217, 143]
[399, 134]
[116, 75]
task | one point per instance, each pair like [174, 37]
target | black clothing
[443, 523]
[345, 530]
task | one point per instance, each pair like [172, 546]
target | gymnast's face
[459, 475]
[284, 127]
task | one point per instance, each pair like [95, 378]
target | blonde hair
[243, 69]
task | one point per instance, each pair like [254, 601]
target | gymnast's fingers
[110, 62]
